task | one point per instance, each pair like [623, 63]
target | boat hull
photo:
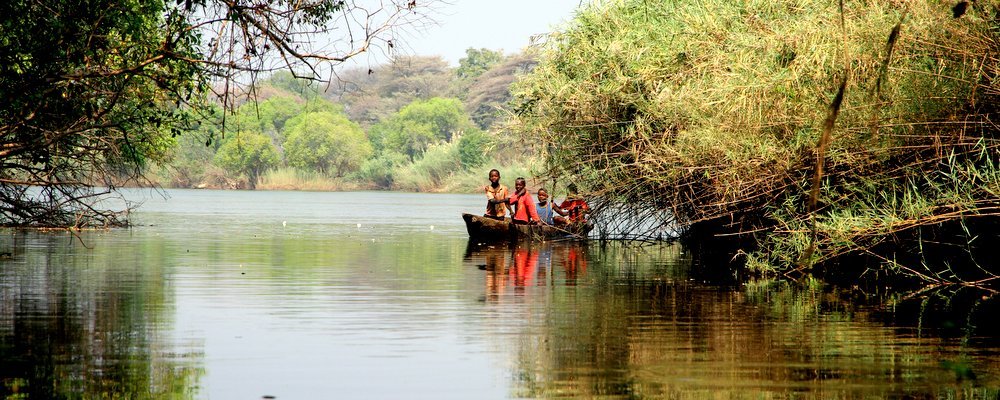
[485, 228]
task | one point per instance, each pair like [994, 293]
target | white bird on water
[284, 224]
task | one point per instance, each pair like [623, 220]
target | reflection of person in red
[525, 267]
[574, 264]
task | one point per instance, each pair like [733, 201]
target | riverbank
[809, 135]
[409, 180]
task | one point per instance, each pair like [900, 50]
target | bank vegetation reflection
[74, 326]
[636, 323]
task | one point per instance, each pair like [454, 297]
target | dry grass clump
[713, 110]
[295, 179]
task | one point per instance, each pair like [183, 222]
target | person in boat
[524, 207]
[547, 211]
[575, 208]
[496, 197]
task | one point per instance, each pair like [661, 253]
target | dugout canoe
[485, 228]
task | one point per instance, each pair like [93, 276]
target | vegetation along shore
[804, 137]
[801, 137]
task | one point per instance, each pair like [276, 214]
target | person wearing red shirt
[574, 206]
[524, 205]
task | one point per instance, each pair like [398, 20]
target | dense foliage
[89, 94]
[325, 142]
[715, 115]
[250, 154]
[401, 126]
[95, 90]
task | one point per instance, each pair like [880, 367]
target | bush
[250, 154]
[325, 142]
[429, 172]
[380, 170]
[472, 148]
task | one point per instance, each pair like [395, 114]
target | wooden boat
[485, 228]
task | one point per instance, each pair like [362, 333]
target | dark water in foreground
[297, 295]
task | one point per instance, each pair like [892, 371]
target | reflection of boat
[486, 228]
[513, 266]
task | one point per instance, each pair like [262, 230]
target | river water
[375, 295]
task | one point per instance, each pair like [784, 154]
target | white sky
[491, 24]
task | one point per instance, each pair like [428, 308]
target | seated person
[524, 206]
[575, 208]
[547, 211]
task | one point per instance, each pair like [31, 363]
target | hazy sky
[491, 24]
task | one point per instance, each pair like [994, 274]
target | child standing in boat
[496, 197]
[524, 206]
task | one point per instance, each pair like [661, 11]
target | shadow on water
[636, 322]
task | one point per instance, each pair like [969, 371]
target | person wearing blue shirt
[546, 210]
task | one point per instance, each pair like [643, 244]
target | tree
[476, 62]
[326, 142]
[472, 148]
[250, 154]
[95, 91]
[399, 135]
[190, 156]
[746, 129]
[489, 93]
[420, 124]
[268, 116]
[304, 88]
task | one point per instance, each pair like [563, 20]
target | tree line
[414, 123]
[98, 92]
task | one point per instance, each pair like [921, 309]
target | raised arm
[494, 197]
[558, 209]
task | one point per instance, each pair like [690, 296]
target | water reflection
[512, 266]
[85, 327]
[239, 305]
[644, 333]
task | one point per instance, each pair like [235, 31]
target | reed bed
[804, 130]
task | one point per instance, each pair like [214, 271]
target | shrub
[326, 142]
[472, 148]
[380, 170]
[429, 172]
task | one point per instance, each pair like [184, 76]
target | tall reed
[711, 112]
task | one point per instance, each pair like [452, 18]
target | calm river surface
[374, 295]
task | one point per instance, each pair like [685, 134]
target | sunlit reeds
[713, 112]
